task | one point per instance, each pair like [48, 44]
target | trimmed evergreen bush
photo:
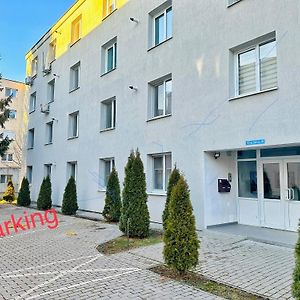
[112, 208]
[24, 194]
[137, 219]
[44, 201]
[69, 204]
[127, 192]
[174, 177]
[296, 275]
[181, 242]
[9, 194]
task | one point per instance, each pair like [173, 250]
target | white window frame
[153, 86]
[109, 46]
[29, 171]
[72, 123]
[108, 11]
[52, 52]
[102, 175]
[258, 66]
[12, 92]
[48, 170]
[70, 165]
[154, 17]
[32, 103]
[75, 68]
[7, 157]
[34, 67]
[51, 91]
[77, 20]
[104, 104]
[7, 178]
[30, 139]
[49, 133]
[165, 184]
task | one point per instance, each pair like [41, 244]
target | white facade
[207, 115]
[12, 163]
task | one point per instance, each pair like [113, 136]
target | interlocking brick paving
[64, 264]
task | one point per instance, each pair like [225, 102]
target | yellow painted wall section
[92, 14]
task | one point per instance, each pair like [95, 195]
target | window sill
[157, 193]
[108, 15]
[33, 77]
[74, 43]
[31, 148]
[107, 129]
[229, 5]
[31, 111]
[105, 73]
[50, 101]
[71, 91]
[47, 144]
[102, 190]
[72, 138]
[253, 94]
[163, 42]
[159, 117]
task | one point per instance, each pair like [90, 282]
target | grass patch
[206, 284]
[122, 243]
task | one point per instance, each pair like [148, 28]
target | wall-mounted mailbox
[224, 186]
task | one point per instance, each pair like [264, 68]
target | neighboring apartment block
[211, 86]
[12, 163]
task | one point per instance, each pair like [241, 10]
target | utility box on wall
[224, 186]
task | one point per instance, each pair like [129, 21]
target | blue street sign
[255, 142]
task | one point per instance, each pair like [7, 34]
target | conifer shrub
[69, 204]
[174, 177]
[24, 194]
[136, 222]
[44, 201]
[127, 193]
[181, 242]
[9, 194]
[112, 207]
[296, 274]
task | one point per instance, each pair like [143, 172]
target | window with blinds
[257, 68]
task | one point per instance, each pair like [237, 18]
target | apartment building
[211, 86]
[12, 163]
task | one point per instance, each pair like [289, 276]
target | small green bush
[181, 242]
[69, 205]
[9, 194]
[44, 201]
[296, 275]
[112, 208]
[24, 194]
[174, 177]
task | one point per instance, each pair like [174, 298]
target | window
[13, 114]
[31, 138]
[11, 135]
[257, 68]
[48, 170]
[73, 125]
[109, 56]
[49, 133]
[76, 30]
[34, 66]
[9, 92]
[5, 178]
[160, 98]
[162, 26]
[8, 157]
[162, 167]
[29, 174]
[247, 179]
[74, 77]
[108, 114]
[51, 89]
[106, 166]
[108, 7]
[72, 170]
[52, 52]
[32, 103]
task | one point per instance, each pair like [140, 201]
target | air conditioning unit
[45, 108]
[47, 70]
[29, 80]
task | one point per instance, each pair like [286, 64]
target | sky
[22, 24]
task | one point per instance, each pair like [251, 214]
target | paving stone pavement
[63, 263]
[254, 267]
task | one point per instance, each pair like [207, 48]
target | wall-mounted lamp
[53, 119]
[133, 88]
[217, 155]
[134, 20]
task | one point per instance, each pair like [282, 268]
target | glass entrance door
[273, 195]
